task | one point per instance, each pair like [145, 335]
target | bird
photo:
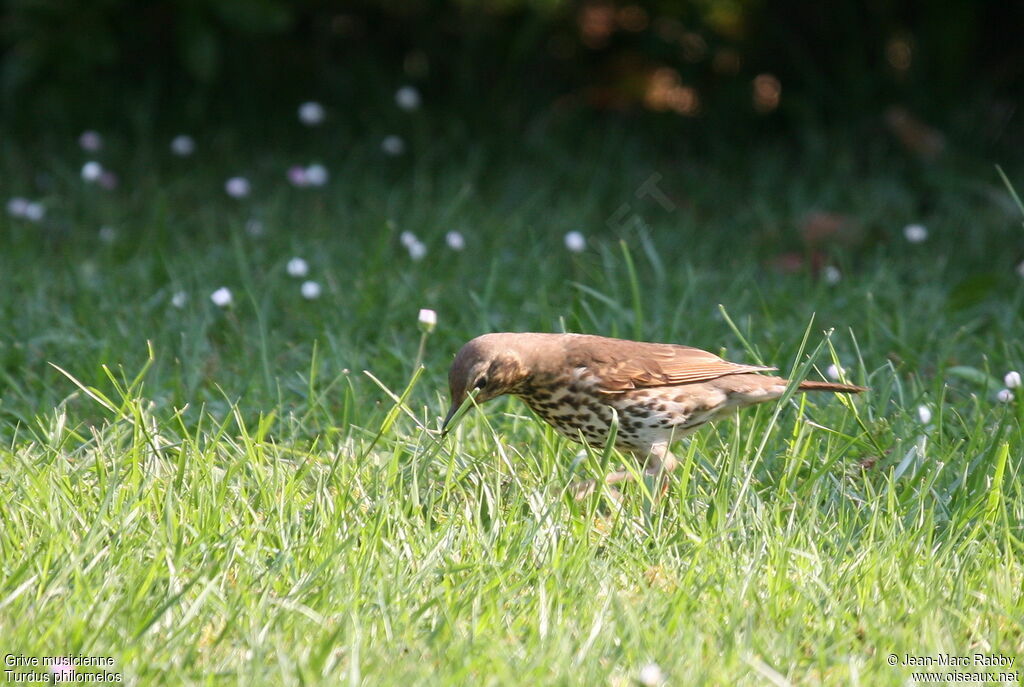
[578, 383]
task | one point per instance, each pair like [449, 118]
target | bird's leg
[584, 488]
[658, 464]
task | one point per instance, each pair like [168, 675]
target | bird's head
[487, 367]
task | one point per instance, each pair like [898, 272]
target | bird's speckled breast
[574, 406]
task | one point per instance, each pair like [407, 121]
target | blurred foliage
[799, 61]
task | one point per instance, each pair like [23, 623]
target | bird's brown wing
[627, 365]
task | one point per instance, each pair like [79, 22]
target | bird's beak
[448, 418]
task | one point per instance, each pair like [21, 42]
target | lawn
[256, 493]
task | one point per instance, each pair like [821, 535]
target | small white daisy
[237, 187]
[222, 297]
[316, 175]
[92, 171]
[179, 299]
[427, 319]
[575, 242]
[915, 233]
[108, 234]
[834, 371]
[17, 206]
[1012, 379]
[924, 414]
[311, 113]
[310, 290]
[417, 251]
[297, 267]
[91, 141]
[35, 212]
[455, 240]
[831, 274]
[393, 146]
[650, 675]
[254, 227]
[407, 98]
[183, 145]
[408, 238]
[1004, 396]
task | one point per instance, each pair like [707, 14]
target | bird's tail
[809, 385]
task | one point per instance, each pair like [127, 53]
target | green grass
[225, 496]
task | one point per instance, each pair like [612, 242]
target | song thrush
[574, 382]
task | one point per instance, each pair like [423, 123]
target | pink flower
[297, 176]
[91, 141]
[108, 180]
[65, 670]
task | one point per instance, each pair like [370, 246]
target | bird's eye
[480, 383]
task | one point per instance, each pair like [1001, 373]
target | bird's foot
[584, 488]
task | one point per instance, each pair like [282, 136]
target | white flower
[407, 98]
[924, 414]
[92, 171]
[915, 233]
[34, 212]
[393, 146]
[90, 140]
[417, 251]
[575, 242]
[221, 297]
[455, 240]
[183, 145]
[835, 371]
[1020, 269]
[831, 274]
[89, 270]
[17, 206]
[1012, 379]
[310, 290]
[108, 234]
[408, 238]
[1004, 396]
[311, 113]
[427, 319]
[297, 267]
[650, 675]
[316, 175]
[179, 299]
[237, 187]
[254, 227]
